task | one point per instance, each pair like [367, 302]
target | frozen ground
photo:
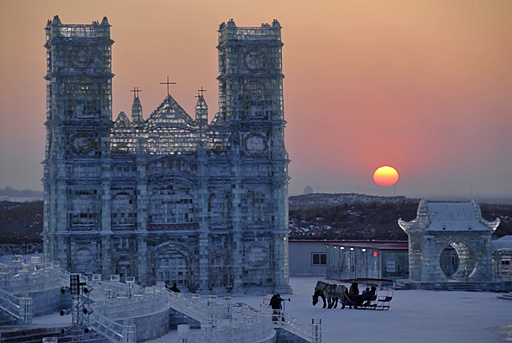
[415, 316]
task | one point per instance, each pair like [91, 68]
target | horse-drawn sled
[379, 303]
[332, 293]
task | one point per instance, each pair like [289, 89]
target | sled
[379, 303]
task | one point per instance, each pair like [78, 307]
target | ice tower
[169, 198]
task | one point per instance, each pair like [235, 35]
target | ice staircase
[110, 330]
[227, 322]
[14, 309]
[6, 319]
[191, 308]
[292, 330]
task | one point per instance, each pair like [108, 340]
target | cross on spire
[136, 92]
[168, 83]
[200, 92]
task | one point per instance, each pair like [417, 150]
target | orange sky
[424, 86]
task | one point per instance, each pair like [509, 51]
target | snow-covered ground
[415, 316]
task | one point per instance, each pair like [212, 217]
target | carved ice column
[201, 112]
[142, 206]
[236, 214]
[280, 232]
[204, 245]
[61, 225]
[415, 250]
[106, 211]
[142, 260]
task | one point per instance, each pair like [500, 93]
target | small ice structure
[449, 242]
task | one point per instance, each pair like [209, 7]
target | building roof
[448, 216]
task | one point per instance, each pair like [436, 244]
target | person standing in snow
[275, 303]
[353, 293]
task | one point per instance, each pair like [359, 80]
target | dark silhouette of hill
[21, 222]
[364, 217]
[311, 216]
[15, 193]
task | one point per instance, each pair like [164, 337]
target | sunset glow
[423, 84]
[385, 176]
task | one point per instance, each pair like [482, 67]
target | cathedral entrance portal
[172, 265]
[220, 272]
[124, 267]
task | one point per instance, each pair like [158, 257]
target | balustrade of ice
[130, 307]
[114, 332]
[308, 332]
[18, 307]
[19, 278]
[117, 300]
[236, 323]
[191, 307]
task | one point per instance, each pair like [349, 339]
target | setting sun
[385, 176]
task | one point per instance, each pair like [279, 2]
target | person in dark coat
[275, 303]
[174, 288]
[353, 293]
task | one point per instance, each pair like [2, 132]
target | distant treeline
[358, 218]
[21, 222]
[361, 217]
[16, 193]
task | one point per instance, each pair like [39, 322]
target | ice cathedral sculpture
[449, 241]
[169, 198]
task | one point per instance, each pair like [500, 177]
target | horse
[327, 291]
[341, 292]
[331, 292]
[320, 291]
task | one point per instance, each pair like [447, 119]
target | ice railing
[20, 278]
[111, 330]
[233, 323]
[240, 323]
[308, 332]
[19, 308]
[111, 304]
[190, 307]
[114, 299]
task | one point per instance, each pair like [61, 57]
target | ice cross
[136, 91]
[200, 92]
[168, 83]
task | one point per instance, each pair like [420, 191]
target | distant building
[307, 258]
[363, 260]
[169, 198]
[449, 241]
[347, 260]
[502, 258]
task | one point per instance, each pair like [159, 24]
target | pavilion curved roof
[449, 216]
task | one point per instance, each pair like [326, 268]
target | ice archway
[457, 226]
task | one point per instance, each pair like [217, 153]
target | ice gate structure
[170, 198]
[449, 242]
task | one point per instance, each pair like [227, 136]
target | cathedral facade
[170, 198]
